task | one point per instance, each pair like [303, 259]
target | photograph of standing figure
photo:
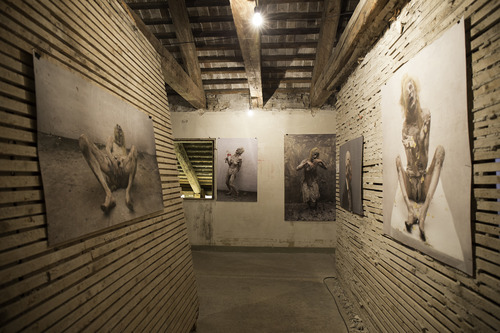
[350, 175]
[426, 152]
[237, 169]
[234, 163]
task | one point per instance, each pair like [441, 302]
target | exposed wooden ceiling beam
[327, 35]
[179, 15]
[290, 31]
[173, 74]
[223, 70]
[224, 59]
[198, 33]
[189, 3]
[249, 39]
[366, 24]
[291, 57]
[225, 81]
[234, 46]
[244, 91]
[229, 18]
[304, 69]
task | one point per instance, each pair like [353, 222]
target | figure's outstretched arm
[301, 165]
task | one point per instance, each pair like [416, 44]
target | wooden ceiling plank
[179, 15]
[365, 25]
[189, 3]
[173, 74]
[249, 39]
[327, 35]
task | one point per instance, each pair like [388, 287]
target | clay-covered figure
[234, 165]
[113, 167]
[418, 183]
[310, 187]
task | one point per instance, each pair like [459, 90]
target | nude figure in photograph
[418, 183]
[234, 165]
[310, 187]
[113, 167]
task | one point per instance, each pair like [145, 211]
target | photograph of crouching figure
[97, 155]
[427, 167]
[113, 167]
[418, 183]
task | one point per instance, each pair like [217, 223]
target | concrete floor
[265, 292]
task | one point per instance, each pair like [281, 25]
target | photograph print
[237, 165]
[350, 176]
[309, 163]
[97, 155]
[426, 153]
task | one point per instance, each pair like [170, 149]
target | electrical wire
[335, 300]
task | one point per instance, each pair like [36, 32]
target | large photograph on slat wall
[97, 155]
[426, 154]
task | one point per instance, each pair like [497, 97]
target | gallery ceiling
[304, 47]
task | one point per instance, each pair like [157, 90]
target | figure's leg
[430, 185]
[234, 189]
[349, 198]
[130, 166]
[228, 184]
[99, 166]
[404, 183]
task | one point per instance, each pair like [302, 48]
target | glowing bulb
[257, 19]
[250, 113]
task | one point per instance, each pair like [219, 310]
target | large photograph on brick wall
[309, 177]
[237, 165]
[426, 154]
[97, 155]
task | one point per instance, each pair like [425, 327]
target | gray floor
[266, 292]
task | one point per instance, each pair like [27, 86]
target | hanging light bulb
[257, 19]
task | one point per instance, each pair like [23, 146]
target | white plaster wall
[258, 223]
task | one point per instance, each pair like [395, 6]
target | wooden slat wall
[137, 276]
[395, 288]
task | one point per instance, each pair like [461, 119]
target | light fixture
[257, 19]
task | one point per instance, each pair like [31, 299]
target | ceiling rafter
[366, 24]
[179, 15]
[173, 74]
[327, 35]
[249, 39]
